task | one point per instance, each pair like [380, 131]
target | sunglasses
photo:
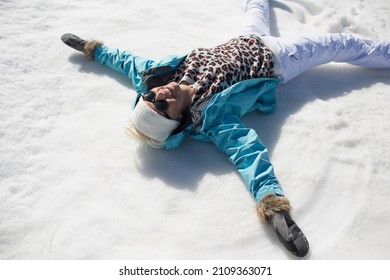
[161, 105]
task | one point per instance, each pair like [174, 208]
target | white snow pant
[296, 54]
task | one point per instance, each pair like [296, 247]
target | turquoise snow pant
[296, 54]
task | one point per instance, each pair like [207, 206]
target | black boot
[289, 233]
[73, 41]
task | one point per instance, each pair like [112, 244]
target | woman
[205, 93]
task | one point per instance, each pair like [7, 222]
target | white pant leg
[256, 17]
[299, 54]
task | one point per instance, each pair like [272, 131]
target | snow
[75, 186]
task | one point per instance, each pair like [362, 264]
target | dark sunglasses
[161, 105]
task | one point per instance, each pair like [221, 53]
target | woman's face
[177, 96]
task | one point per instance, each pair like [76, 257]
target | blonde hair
[132, 131]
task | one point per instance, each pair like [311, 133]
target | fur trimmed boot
[275, 210]
[75, 42]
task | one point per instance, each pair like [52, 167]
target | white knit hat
[151, 123]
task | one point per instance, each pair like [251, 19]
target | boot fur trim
[89, 48]
[271, 204]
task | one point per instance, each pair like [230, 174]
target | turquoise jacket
[220, 117]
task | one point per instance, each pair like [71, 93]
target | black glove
[289, 233]
[73, 41]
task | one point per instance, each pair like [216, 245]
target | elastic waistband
[271, 45]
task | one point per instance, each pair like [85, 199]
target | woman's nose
[162, 93]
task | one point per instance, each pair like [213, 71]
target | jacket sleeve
[246, 151]
[124, 62]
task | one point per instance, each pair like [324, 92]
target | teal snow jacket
[219, 119]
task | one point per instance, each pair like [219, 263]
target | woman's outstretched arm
[124, 62]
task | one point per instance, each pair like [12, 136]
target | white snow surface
[74, 185]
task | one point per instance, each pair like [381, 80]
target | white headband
[151, 123]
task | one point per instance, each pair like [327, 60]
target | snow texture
[74, 185]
